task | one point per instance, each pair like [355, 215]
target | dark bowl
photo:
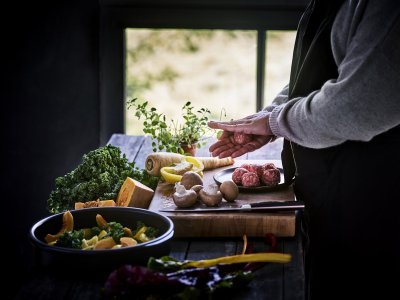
[76, 261]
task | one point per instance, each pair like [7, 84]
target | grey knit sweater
[364, 100]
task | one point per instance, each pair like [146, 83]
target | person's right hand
[254, 130]
[225, 146]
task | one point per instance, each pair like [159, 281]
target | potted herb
[173, 136]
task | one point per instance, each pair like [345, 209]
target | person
[340, 120]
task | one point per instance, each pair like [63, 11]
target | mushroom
[183, 197]
[229, 190]
[190, 179]
[211, 196]
[197, 188]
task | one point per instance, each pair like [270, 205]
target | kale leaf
[99, 176]
[71, 239]
[116, 231]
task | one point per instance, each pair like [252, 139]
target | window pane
[279, 48]
[214, 69]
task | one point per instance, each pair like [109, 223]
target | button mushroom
[183, 197]
[197, 188]
[229, 190]
[211, 196]
[190, 179]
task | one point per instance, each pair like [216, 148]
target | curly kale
[71, 239]
[116, 231]
[95, 231]
[152, 232]
[99, 176]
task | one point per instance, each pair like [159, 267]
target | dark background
[50, 113]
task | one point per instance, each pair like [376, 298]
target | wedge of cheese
[134, 194]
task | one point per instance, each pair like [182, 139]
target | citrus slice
[168, 173]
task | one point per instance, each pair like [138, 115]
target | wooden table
[274, 281]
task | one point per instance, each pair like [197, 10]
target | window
[254, 25]
[215, 69]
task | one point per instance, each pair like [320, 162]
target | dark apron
[352, 191]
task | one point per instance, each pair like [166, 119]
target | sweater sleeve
[364, 100]
[281, 98]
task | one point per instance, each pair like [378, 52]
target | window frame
[117, 15]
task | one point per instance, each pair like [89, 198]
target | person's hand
[242, 136]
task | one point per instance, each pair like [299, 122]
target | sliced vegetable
[244, 244]
[100, 221]
[89, 244]
[169, 264]
[242, 258]
[135, 194]
[95, 203]
[128, 242]
[106, 243]
[102, 234]
[67, 225]
[126, 192]
[108, 235]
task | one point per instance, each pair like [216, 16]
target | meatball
[258, 169]
[268, 166]
[250, 179]
[271, 177]
[245, 166]
[237, 175]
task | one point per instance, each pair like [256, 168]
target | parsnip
[158, 160]
[215, 162]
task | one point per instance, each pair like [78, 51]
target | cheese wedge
[134, 194]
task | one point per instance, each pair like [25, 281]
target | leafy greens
[167, 278]
[99, 176]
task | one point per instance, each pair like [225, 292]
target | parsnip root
[215, 162]
[158, 160]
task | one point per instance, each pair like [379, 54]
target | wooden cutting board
[236, 224]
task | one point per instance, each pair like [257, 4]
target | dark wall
[50, 111]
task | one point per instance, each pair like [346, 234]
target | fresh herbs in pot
[169, 135]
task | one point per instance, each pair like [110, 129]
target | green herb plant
[172, 136]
